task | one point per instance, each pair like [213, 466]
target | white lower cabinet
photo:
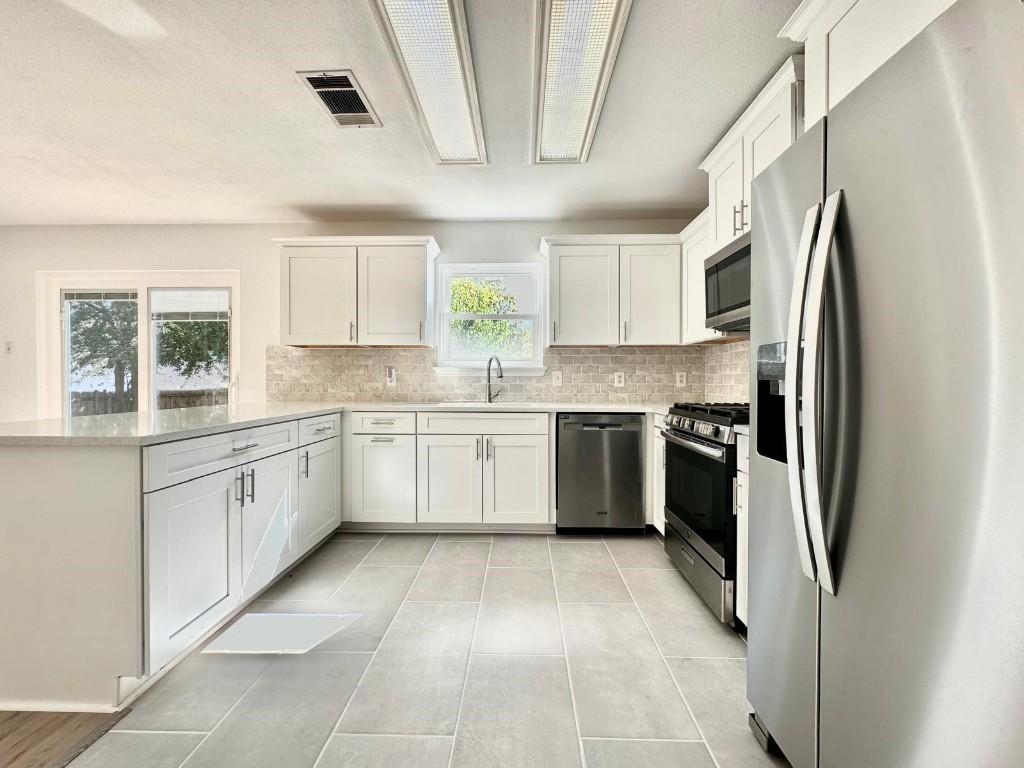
[319, 491]
[515, 479]
[269, 520]
[449, 478]
[658, 516]
[383, 475]
[742, 525]
[194, 568]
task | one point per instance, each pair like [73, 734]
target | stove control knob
[712, 430]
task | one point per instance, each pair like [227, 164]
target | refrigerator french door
[887, 562]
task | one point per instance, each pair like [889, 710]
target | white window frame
[446, 271]
[50, 288]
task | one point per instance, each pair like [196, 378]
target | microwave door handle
[810, 384]
[792, 390]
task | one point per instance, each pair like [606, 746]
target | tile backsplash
[342, 374]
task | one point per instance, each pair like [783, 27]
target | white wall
[245, 247]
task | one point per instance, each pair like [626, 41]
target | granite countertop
[141, 429]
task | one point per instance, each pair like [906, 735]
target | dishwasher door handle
[579, 426]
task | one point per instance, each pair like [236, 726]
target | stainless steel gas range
[700, 475]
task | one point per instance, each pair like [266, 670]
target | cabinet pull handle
[421, 330]
[351, 330]
[325, 428]
[381, 422]
[382, 440]
[305, 471]
[478, 449]
[554, 331]
[248, 447]
[625, 329]
[252, 485]
[488, 451]
[241, 478]
[736, 212]
[743, 219]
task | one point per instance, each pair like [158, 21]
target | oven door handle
[715, 453]
[794, 462]
[810, 386]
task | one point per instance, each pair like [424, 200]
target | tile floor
[472, 651]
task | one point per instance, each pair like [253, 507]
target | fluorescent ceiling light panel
[430, 45]
[577, 43]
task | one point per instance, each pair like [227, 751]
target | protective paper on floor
[279, 632]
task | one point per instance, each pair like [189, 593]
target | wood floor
[49, 739]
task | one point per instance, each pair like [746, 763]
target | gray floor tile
[284, 720]
[716, 689]
[588, 556]
[449, 553]
[602, 753]
[679, 620]
[414, 684]
[466, 537]
[196, 694]
[346, 750]
[638, 552]
[402, 549]
[317, 577]
[374, 593]
[456, 583]
[520, 551]
[620, 684]
[518, 613]
[597, 586]
[132, 750]
[517, 712]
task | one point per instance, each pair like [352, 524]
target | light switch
[392, 378]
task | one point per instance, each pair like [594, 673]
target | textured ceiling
[194, 114]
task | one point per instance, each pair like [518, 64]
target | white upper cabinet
[370, 291]
[649, 293]
[772, 122]
[696, 242]
[608, 290]
[392, 295]
[584, 294]
[322, 280]
[846, 40]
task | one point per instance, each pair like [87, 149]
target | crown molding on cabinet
[547, 242]
[810, 13]
[433, 250]
[790, 72]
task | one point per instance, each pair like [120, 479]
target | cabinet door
[383, 478]
[696, 247]
[269, 519]
[449, 478]
[193, 561]
[585, 294]
[725, 196]
[659, 483]
[318, 295]
[649, 287]
[742, 523]
[319, 492]
[392, 294]
[515, 479]
[769, 136]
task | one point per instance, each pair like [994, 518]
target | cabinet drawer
[172, 463]
[383, 423]
[743, 453]
[482, 423]
[318, 428]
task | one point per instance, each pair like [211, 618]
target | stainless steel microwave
[727, 287]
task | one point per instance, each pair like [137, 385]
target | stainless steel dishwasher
[600, 471]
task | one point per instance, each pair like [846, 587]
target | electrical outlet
[392, 379]
[680, 379]
[9, 348]
[620, 379]
[556, 378]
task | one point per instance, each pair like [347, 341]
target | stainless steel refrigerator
[886, 600]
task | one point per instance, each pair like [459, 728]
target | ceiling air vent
[341, 96]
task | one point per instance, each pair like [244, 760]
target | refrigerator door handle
[814, 310]
[792, 390]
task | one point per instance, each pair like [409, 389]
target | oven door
[699, 498]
